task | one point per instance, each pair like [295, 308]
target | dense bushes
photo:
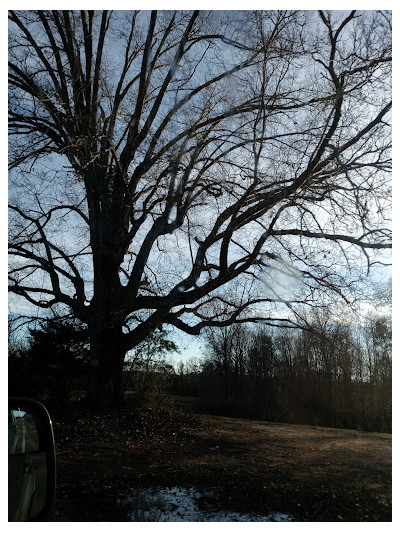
[52, 363]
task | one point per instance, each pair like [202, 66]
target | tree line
[330, 374]
[334, 374]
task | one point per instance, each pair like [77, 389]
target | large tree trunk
[106, 367]
[106, 337]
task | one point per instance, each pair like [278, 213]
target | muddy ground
[312, 473]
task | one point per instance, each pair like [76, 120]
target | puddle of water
[178, 504]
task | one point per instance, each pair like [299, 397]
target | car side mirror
[31, 460]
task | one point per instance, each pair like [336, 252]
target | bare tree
[195, 168]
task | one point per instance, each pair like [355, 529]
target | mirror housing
[31, 460]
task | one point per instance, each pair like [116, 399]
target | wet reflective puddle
[179, 504]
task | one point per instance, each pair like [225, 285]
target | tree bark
[106, 367]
